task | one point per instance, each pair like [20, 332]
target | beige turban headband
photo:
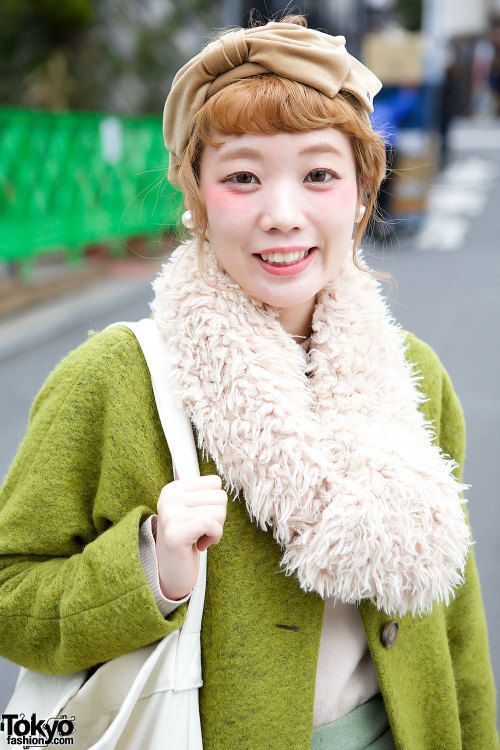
[286, 49]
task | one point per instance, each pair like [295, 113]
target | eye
[241, 178]
[321, 176]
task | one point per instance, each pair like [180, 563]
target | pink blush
[219, 199]
[341, 199]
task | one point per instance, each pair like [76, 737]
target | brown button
[389, 634]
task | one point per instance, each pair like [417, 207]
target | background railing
[70, 179]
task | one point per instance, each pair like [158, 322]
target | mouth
[285, 259]
[286, 264]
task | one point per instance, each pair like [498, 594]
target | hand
[191, 515]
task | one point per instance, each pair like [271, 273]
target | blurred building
[433, 61]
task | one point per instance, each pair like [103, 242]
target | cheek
[222, 203]
[339, 204]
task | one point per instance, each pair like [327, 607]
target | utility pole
[232, 12]
[435, 55]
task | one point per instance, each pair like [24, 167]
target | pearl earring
[360, 213]
[187, 219]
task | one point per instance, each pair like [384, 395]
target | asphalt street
[445, 290]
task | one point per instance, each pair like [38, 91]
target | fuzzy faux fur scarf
[338, 461]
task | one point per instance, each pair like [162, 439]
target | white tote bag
[147, 699]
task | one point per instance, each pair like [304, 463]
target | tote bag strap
[174, 420]
[179, 434]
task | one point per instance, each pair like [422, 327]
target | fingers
[191, 512]
[181, 514]
[195, 498]
[193, 493]
[179, 533]
[209, 482]
[203, 531]
[191, 516]
[205, 541]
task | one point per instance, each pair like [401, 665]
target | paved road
[446, 291]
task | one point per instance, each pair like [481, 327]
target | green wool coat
[73, 592]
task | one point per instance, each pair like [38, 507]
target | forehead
[257, 145]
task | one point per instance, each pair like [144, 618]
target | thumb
[203, 543]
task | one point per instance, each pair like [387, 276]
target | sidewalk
[464, 188]
[59, 297]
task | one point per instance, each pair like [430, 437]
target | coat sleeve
[465, 618]
[89, 471]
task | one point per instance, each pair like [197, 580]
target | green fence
[70, 179]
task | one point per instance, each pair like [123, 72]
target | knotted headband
[286, 49]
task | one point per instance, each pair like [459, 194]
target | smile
[286, 264]
[284, 257]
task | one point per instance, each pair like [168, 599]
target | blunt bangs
[267, 104]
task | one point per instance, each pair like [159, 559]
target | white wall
[466, 17]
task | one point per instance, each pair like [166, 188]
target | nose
[282, 209]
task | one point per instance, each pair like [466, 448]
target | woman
[337, 437]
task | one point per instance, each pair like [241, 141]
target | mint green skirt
[366, 728]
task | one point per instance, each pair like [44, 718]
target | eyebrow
[247, 152]
[321, 148]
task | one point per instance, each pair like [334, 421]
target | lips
[283, 268]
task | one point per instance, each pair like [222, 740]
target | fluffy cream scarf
[339, 460]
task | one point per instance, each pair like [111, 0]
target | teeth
[284, 258]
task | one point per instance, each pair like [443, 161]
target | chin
[286, 301]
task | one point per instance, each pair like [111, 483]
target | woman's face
[292, 194]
